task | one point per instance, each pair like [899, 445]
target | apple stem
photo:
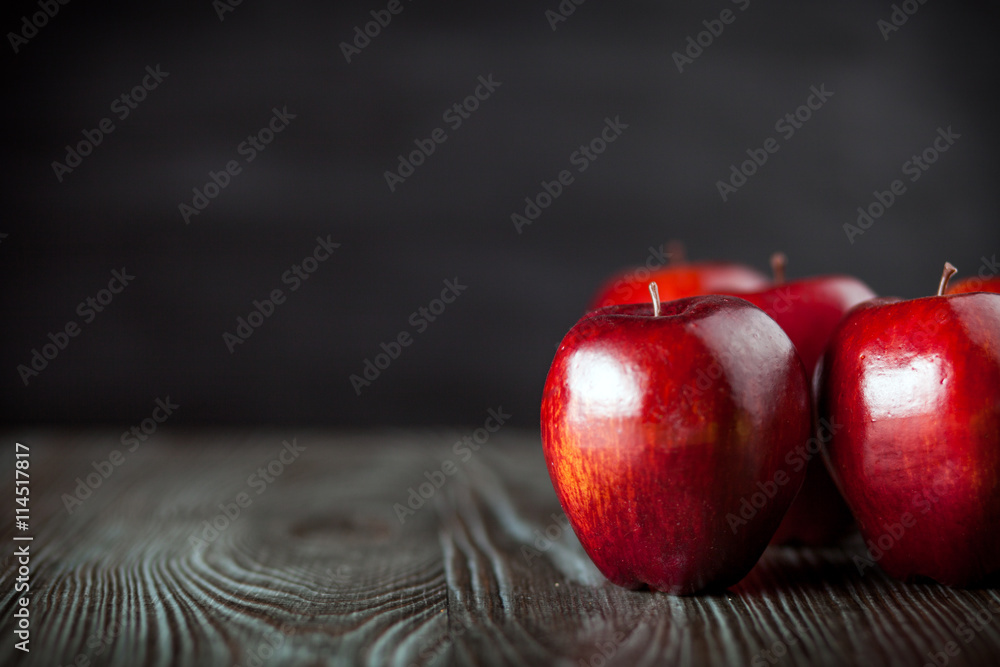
[778, 261]
[675, 251]
[654, 291]
[946, 275]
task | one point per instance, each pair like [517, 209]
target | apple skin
[914, 388]
[809, 310]
[678, 281]
[975, 284]
[649, 464]
[819, 516]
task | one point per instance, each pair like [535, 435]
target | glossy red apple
[914, 387]
[665, 434]
[809, 310]
[677, 280]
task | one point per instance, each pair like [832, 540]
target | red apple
[975, 284]
[809, 310]
[913, 388]
[677, 280]
[665, 434]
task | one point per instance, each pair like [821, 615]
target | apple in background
[809, 310]
[677, 280]
[975, 284]
[819, 516]
[665, 429]
[915, 386]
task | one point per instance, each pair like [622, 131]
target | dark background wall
[323, 175]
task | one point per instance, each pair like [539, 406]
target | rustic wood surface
[317, 569]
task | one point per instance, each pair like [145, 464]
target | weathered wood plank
[319, 569]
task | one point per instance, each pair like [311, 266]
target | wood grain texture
[318, 569]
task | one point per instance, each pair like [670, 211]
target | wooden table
[317, 567]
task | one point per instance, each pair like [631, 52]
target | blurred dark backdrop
[323, 176]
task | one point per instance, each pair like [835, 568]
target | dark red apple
[809, 310]
[914, 390]
[975, 284]
[818, 515]
[677, 280]
[665, 432]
